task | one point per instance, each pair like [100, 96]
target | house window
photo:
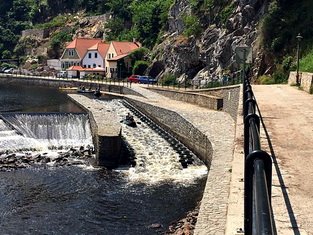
[89, 55]
[89, 66]
[96, 55]
[112, 55]
[99, 65]
[109, 55]
[94, 65]
[71, 53]
[84, 66]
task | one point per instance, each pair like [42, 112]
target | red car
[133, 78]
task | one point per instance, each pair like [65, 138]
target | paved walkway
[288, 117]
[220, 129]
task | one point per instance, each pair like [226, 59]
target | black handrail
[258, 172]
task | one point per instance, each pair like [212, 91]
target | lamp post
[299, 37]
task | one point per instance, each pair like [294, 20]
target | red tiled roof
[118, 57]
[82, 44]
[75, 67]
[125, 47]
[101, 47]
[80, 68]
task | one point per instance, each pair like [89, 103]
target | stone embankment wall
[184, 131]
[221, 98]
[230, 95]
[306, 81]
[55, 82]
[40, 33]
[106, 131]
[208, 101]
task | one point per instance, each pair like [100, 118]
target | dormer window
[89, 55]
[71, 53]
[96, 55]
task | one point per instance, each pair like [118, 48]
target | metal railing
[258, 171]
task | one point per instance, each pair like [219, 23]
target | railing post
[249, 189]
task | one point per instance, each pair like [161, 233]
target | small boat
[67, 88]
[79, 90]
[131, 123]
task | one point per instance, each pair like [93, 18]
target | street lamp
[299, 37]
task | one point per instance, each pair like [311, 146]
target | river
[87, 200]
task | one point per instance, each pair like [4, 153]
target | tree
[140, 67]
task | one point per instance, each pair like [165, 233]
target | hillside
[188, 39]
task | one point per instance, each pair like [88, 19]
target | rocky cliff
[204, 57]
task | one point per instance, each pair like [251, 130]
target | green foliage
[22, 59]
[6, 54]
[192, 26]
[140, 67]
[142, 20]
[169, 80]
[265, 80]
[58, 39]
[7, 65]
[58, 21]
[287, 62]
[305, 64]
[138, 54]
[280, 77]
[42, 59]
[33, 67]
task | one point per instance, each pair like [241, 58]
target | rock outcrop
[203, 58]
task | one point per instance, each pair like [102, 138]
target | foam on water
[156, 160]
[43, 132]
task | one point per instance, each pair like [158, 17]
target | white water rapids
[43, 131]
[156, 160]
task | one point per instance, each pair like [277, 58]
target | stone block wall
[306, 80]
[40, 33]
[209, 101]
[174, 123]
[230, 96]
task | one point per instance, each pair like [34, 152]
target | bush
[266, 80]
[192, 26]
[140, 67]
[280, 77]
[169, 79]
[33, 67]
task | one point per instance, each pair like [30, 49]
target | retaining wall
[204, 100]
[306, 80]
[56, 82]
[221, 98]
[230, 96]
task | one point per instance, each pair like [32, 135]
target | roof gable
[124, 47]
[82, 44]
[101, 47]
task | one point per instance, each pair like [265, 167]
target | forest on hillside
[142, 20]
[146, 20]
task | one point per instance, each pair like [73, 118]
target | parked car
[133, 78]
[10, 70]
[3, 69]
[62, 74]
[147, 80]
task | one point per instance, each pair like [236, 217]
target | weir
[20, 131]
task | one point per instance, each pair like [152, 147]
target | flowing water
[87, 200]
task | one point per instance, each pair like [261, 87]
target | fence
[258, 171]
